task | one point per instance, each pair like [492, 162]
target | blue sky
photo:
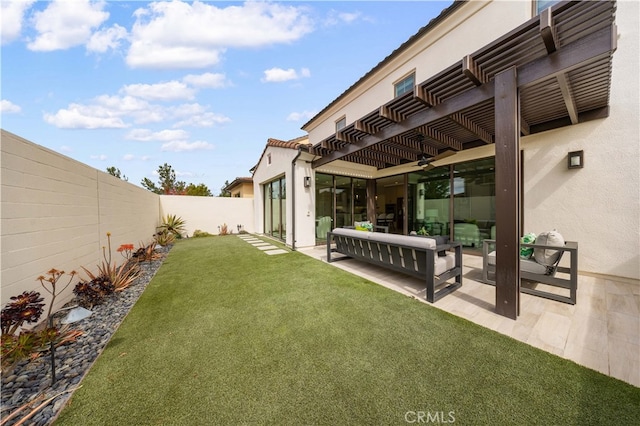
[198, 85]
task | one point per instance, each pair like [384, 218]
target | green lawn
[225, 334]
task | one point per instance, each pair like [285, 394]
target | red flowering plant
[110, 277]
[126, 250]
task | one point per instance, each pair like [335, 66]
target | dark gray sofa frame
[392, 255]
[570, 283]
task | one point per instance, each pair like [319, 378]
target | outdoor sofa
[420, 257]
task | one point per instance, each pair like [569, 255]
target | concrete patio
[601, 332]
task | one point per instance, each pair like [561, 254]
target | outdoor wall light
[307, 181]
[575, 160]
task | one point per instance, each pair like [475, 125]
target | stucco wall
[55, 213]
[207, 213]
[281, 159]
[599, 205]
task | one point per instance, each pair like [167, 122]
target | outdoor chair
[543, 267]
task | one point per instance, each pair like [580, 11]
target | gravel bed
[72, 361]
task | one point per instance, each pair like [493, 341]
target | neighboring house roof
[404, 46]
[301, 141]
[237, 182]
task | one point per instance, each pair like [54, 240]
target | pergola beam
[569, 100]
[548, 31]
[474, 128]
[472, 71]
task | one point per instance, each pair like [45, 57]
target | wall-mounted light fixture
[307, 181]
[575, 160]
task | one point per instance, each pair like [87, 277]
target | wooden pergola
[552, 71]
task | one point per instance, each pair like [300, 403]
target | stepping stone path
[266, 247]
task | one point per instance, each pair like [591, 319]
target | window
[268, 158]
[341, 124]
[405, 85]
[543, 4]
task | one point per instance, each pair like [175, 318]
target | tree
[223, 190]
[113, 171]
[199, 190]
[169, 185]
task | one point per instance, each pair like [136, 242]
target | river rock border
[73, 361]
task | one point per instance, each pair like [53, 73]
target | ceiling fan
[427, 162]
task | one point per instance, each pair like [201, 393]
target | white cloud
[146, 135]
[66, 148]
[195, 35]
[169, 91]
[207, 119]
[131, 157]
[279, 75]
[207, 80]
[298, 116]
[9, 107]
[101, 157]
[179, 146]
[12, 15]
[196, 115]
[110, 38]
[64, 24]
[107, 111]
[78, 117]
[104, 112]
[334, 18]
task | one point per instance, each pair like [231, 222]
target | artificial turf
[225, 334]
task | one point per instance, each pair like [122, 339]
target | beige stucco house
[241, 187]
[514, 113]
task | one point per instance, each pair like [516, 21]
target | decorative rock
[73, 360]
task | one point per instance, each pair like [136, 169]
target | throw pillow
[364, 226]
[526, 252]
[548, 257]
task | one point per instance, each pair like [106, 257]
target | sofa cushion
[526, 265]
[533, 267]
[405, 240]
[444, 263]
[548, 257]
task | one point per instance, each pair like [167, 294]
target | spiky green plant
[172, 224]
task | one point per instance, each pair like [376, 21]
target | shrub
[164, 238]
[172, 224]
[93, 292]
[198, 233]
[120, 277]
[146, 253]
[224, 230]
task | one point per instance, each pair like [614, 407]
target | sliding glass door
[275, 209]
[340, 201]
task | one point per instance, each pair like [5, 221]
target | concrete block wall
[55, 213]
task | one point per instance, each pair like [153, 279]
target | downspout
[293, 198]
